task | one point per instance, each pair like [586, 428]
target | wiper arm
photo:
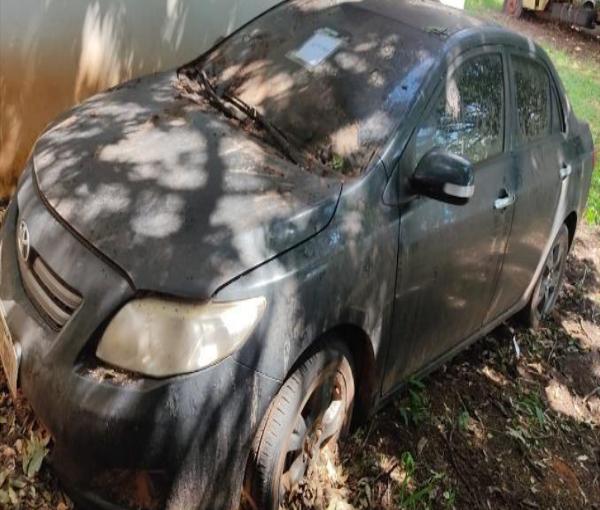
[278, 137]
[191, 88]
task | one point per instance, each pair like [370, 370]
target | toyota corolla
[207, 274]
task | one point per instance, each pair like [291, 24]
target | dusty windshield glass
[334, 78]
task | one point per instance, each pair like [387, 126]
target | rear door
[540, 164]
[450, 255]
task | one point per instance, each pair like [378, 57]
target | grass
[417, 410]
[481, 5]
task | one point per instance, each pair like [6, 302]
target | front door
[450, 255]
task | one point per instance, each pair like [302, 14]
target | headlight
[161, 338]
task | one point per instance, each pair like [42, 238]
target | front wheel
[548, 286]
[311, 412]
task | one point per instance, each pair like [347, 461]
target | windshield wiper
[194, 83]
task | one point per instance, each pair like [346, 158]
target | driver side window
[469, 117]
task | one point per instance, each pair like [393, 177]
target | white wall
[457, 4]
[55, 53]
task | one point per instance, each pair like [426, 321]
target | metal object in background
[583, 13]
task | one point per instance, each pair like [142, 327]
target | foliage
[477, 5]
[416, 410]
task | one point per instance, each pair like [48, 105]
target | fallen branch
[591, 394]
[386, 474]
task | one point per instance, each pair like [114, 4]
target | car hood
[179, 198]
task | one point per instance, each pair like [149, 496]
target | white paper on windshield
[318, 48]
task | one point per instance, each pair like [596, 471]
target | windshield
[334, 78]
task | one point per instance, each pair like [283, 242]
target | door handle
[505, 201]
[565, 171]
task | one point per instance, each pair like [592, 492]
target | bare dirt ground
[513, 422]
[578, 43]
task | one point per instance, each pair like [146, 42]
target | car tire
[318, 395]
[546, 290]
[513, 8]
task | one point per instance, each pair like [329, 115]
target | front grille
[53, 298]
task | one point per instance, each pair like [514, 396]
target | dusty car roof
[335, 76]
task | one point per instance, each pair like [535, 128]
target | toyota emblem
[23, 241]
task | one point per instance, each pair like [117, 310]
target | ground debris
[25, 480]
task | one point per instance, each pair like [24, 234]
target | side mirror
[445, 177]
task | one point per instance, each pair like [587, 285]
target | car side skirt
[436, 363]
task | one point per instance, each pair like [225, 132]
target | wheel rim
[549, 285]
[318, 425]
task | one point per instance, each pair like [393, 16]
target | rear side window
[533, 98]
[469, 117]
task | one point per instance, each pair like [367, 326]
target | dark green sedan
[208, 274]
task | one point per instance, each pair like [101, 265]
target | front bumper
[191, 433]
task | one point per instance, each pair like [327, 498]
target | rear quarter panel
[583, 161]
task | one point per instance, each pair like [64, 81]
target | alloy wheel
[318, 425]
[549, 285]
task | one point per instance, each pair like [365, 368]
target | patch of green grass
[530, 406]
[480, 5]
[417, 410]
[463, 420]
[582, 82]
[412, 495]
